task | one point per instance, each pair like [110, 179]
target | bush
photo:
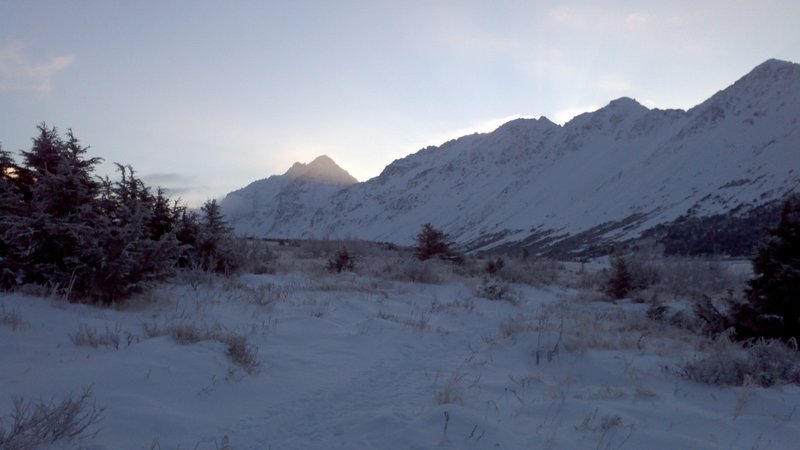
[34, 424]
[495, 266]
[342, 261]
[765, 363]
[494, 288]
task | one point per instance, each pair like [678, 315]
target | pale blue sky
[207, 96]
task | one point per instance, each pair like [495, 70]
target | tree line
[94, 238]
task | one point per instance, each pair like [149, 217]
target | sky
[204, 97]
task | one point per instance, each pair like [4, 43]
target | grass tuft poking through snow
[12, 319]
[238, 349]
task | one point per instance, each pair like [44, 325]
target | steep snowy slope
[289, 198]
[609, 174]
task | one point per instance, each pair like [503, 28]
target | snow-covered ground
[367, 360]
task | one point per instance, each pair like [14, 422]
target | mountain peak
[626, 103]
[515, 125]
[758, 91]
[773, 64]
[769, 71]
[322, 169]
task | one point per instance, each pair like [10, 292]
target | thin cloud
[166, 179]
[19, 72]
[599, 18]
[615, 86]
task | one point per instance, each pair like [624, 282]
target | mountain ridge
[257, 207]
[610, 174]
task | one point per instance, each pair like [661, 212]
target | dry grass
[452, 393]
[12, 319]
[415, 321]
[239, 351]
[111, 338]
[536, 272]
[513, 326]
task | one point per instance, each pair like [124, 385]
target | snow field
[370, 360]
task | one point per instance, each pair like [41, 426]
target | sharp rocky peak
[321, 169]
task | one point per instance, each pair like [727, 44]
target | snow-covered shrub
[342, 261]
[35, 423]
[764, 363]
[713, 319]
[682, 318]
[255, 255]
[682, 277]
[494, 288]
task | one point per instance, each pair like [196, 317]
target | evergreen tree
[619, 282]
[772, 307]
[10, 184]
[432, 242]
[214, 244]
[341, 262]
[163, 218]
[128, 255]
[187, 231]
[11, 205]
[56, 221]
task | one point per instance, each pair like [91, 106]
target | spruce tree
[772, 307]
[433, 242]
[11, 205]
[619, 282]
[214, 240]
[129, 255]
[56, 220]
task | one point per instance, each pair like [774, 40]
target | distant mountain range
[604, 176]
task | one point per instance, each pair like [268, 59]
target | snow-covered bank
[363, 361]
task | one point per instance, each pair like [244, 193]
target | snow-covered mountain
[604, 175]
[292, 198]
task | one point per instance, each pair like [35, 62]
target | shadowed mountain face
[604, 176]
